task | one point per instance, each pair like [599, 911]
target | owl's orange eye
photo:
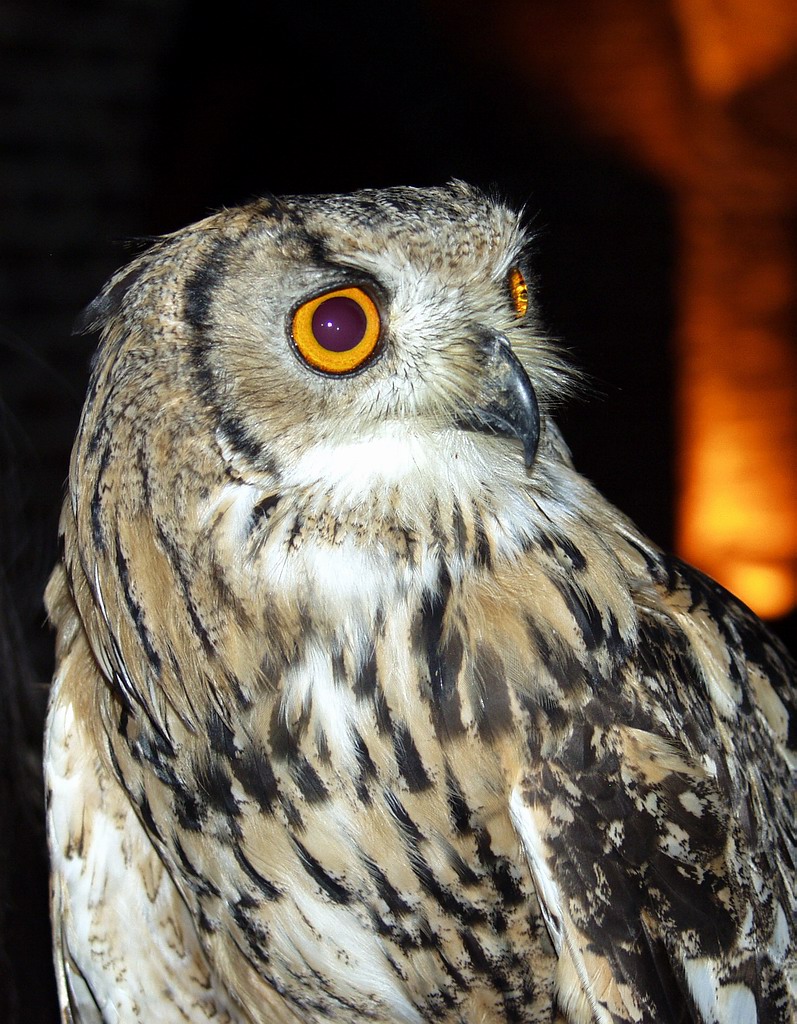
[338, 331]
[518, 291]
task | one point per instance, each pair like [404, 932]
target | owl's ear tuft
[100, 311]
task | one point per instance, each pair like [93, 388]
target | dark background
[123, 120]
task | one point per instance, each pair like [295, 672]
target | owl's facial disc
[506, 403]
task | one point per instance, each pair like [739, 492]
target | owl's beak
[506, 403]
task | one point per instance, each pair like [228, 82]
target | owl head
[314, 336]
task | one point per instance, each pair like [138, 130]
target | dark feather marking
[296, 529]
[176, 560]
[198, 302]
[238, 435]
[577, 559]
[203, 283]
[397, 969]
[157, 751]
[233, 606]
[253, 770]
[652, 562]
[616, 646]
[334, 889]
[364, 760]
[143, 470]
[222, 740]
[123, 725]
[283, 743]
[126, 696]
[308, 780]
[117, 770]
[254, 933]
[462, 869]
[215, 783]
[397, 934]
[399, 812]
[205, 924]
[585, 612]
[262, 510]
[504, 881]
[459, 979]
[395, 903]
[465, 912]
[384, 720]
[295, 819]
[498, 922]
[437, 1003]
[409, 761]
[545, 717]
[366, 681]
[439, 534]
[611, 877]
[322, 747]
[560, 660]
[482, 554]
[443, 659]
[97, 528]
[746, 637]
[493, 707]
[339, 674]
[664, 653]
[672, 991]
[285, 748]
[444, 672]
[457, 805]
[458, 527]
[146, 816]
[367, 768]
[267, 889]
[151, 748]
[200, 884]
[190, 813]
[481, 962]
[135, 610]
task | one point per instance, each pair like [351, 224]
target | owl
[368, 706]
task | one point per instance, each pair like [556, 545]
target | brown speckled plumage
[358, 718]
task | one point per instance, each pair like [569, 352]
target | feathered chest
[345, 802]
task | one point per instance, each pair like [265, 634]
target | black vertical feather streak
[183, 577]
[199, 883]
[135, 609]
[460, 535]
[97, 527]
[252, 768]
[267, 889]
[443, 659]
[365, 683]
[482, 553]
[285, 748]
[494, 710]
[331, 886]
[409, 760]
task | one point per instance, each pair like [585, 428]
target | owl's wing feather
[662, 860]
[603, 924]
[77, 1001]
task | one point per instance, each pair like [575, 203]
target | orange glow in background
[704, 94]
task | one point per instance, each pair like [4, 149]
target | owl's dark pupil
[339, 324]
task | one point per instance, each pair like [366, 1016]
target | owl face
[334, 335]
